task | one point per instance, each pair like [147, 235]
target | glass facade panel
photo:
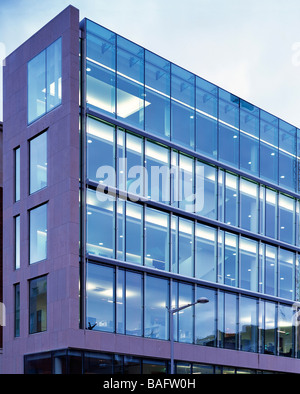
[135, 165]
[182, 124]
[228, 145]
[134, 304]
[130, 60]
[120, 300]
[149, 93]
[249, 139]
[38, 234]
[157, 239]
[38, 162]
[130, 102]
[97, 363]
[231, 260]
[286, 219]
[206, 119]
[156, 304]
[134, 233]
[100, 225]
[285, 330]
[249, 205]
[185, 318]
[186, 183]
[157, 165]
[248, 324]
[38, 305]
[231, 199]
[205, 318]
[287, 155]
[100, 298]
[270, 269]
[248, 264]
[286, 267]
[269, 328]
[157, 93]
[206, 193]
[185, 247]
[100, 88]
[230, 321]
[271, 213]
[100, 45]
[206, 251]
[100, 152]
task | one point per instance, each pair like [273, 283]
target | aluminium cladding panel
[61, 195]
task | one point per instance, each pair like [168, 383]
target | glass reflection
[100, 298]
[156, 239]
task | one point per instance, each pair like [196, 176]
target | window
[38, 162]
[38, 234]
[286, 266]
[248, 324]
[269, 328]
[286, 330]
[185, 318]
[286, 219]
[248, 264]
[249, 138]
[185, 247]
[205, 318]
[205, 264]
[100, 224]
[100, 298]
[100, 68]
[182, 103]
[44, 73]
[134, 233]
[231, 199]
[230, 259]
[17, 242]
[157, 239]
[206, 115]
[206, 195]
[38, 305]
[156, 303]
[17, 174]
[157, 93]
[17, 310]
[228, 131]
[134, 304]
[100, 152]
[249, 205]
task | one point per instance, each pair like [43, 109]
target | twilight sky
[249, 47]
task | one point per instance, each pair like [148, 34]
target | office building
[131, 186]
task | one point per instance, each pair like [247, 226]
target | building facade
[132, 186]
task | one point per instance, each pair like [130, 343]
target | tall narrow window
[38, 305]
[38, 234]
[53, 67]
[37, 87]
[17, 174]
[17, 242]
[17, 309]
[38, 162]
[44, 79]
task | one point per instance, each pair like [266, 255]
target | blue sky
[251, 48]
